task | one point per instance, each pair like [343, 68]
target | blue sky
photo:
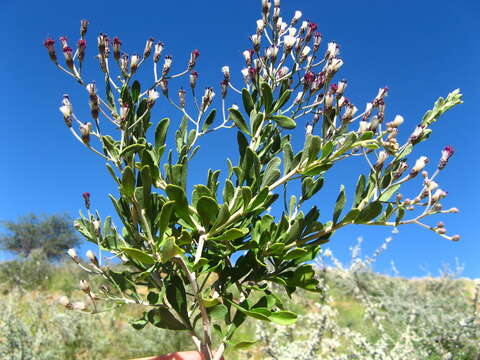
[420, 49]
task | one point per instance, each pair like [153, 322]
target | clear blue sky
[420, 49]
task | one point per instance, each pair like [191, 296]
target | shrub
[174, 244]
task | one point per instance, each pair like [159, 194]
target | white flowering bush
[179, 240]
[427, 318]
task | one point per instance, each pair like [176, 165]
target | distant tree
[52, 234]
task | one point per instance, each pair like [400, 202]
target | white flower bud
[167, 65]
[363, 126]
[152, 96]
[368, 108]
[308, 129]
[248, 56]
[66, 111]
[332, 50]
[382, 156]
[283, 26]
[296, 17]
[417, 133]
[73, 254]
[245, 73]
[91, 256]
[226, 73]
[260, 25]
[292, 31]
[85, 286]
[341, 101]
[299, 97]
[304, 26]
[432, 185]
[305, 51]
[283, 71]
[397, 121]
[256, 38]
[63, 300]
[289, 41]
[158, 49]
[336, 65]
[420, 164]
[328, 101]
[79, 306]
[134, 63]
[91, 88]
[235, 106]
[439, 194]
[342, 84]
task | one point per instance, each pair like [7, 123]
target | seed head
[91, 256]
[85, 286]
[134, 60]
[85, 130]
[116, 48]
[193, 59]
[83, 27]
[73, 254]
[148, 48]
[193, 79]
[447, 153]
[158, 51]
[296, 17]
[86, 199]
[419, 165]
[63, 300]
[167, 65]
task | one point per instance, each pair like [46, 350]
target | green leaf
[138, 255]
[284, 121]
[287, 157]
[351, 216]
[230, 235]
[247, 101]
[177, 194]
[218, 311]
[327, 150]
[108, 91]
[169, 249]
[207, 209]
[239, 121]
[209, 120]
[139, 324]
[161, 133]
[176, 296]
[272, 172]
[295, 253]
[283, 317]
[163, 219]
[223, 216]
[241, 345]
[388, 194]
[310, 187]
[135, 91]
[441, 106]
[370, 212]
[135, 148]
[340, 204]
[267, 97]
[162, 318]
[128, 181]
[282, 100]
[405, 152]
[359, 190]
